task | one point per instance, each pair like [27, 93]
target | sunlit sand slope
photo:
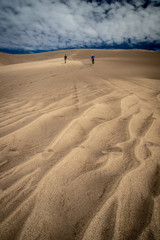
[80, 146]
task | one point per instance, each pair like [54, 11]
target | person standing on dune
[65, 58]
[92, 58]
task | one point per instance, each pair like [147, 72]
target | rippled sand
[80, 146]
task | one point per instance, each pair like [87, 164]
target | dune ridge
[80, 146]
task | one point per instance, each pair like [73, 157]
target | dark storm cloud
[53, 24]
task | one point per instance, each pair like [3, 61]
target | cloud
[56, 24]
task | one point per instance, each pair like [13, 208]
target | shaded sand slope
[80, 146]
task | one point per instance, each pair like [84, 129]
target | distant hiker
[65, 58]
[92, 58]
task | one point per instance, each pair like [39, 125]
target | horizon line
[124, 46]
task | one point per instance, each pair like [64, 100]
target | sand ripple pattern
[79, 152]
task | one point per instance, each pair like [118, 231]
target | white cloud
[49, 24]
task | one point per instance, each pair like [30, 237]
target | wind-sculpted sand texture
[80, 146]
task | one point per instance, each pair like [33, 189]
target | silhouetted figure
[92, 58]
[65, 58]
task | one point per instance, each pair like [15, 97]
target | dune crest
[79, 146]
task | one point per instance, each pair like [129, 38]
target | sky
[28, 26]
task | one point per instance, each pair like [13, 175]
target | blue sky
[28, 26]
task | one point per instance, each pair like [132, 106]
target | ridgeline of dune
[80, 145]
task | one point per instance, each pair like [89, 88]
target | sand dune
[80, 146]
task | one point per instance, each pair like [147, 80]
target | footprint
[12, 149]
[50, 150]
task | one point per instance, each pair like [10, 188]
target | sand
[80, 146]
